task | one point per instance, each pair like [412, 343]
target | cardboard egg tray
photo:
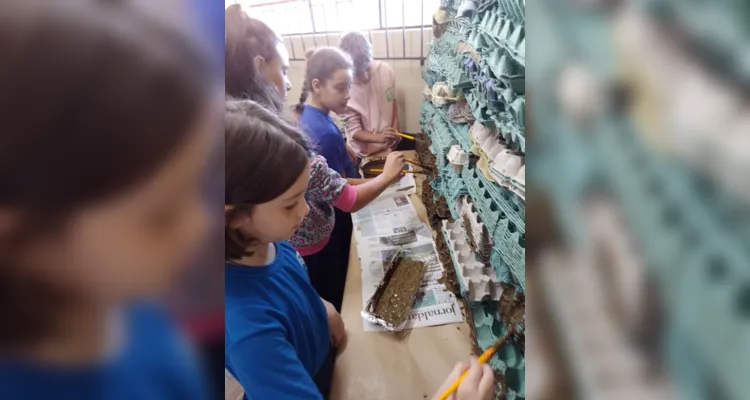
[478, 281]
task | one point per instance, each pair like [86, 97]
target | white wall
[409, 83]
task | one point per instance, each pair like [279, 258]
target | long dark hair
[94, 97]
[321, 64]
[264, 156]
[247, 38]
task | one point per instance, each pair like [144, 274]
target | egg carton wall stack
[692, 233]
[480, 57]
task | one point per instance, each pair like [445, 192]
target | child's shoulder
[323, 179]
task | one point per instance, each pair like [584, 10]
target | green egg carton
[485, 5]
[506, 33]
[502, 271]
[479, 41]
[508, 359]
[479, 108]
[506, 69]
[514, 10]
[493, 198]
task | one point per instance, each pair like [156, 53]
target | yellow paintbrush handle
[482, 359]
[405, 136]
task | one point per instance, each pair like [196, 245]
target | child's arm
[357, 181]
[392, 171]
[267, 367]
[335, 324]
[326, 185]
[353, 122]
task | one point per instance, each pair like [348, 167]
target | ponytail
[305, 88]
[300, 107]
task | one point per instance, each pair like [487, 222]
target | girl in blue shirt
[105, 125]
[328, 76]
[279, 332]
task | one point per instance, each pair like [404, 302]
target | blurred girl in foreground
[105, 125]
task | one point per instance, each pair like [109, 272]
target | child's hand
[394, 165]
[388, 135]
[479, 383]
[335, 325]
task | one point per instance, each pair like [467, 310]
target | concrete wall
[409, 83]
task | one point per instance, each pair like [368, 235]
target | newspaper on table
[392, 219]
[381, 230]
[405, 186]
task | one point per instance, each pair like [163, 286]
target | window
[317, 16]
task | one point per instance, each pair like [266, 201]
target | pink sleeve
[352, 121]
[346, 200]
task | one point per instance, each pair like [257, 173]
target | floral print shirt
[327, 189]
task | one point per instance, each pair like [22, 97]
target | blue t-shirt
[277, 335]
[320, 127]
[155, 364]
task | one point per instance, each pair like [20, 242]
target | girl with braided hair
[328, 76]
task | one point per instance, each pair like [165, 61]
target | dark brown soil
[481, 245]
[469, 317]
[500, 385]
[401, 286]
[511, 309]
[512, 306]
[449, 270]
[424, 154]
[441, 208]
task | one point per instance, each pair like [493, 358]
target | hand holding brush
[469, 385]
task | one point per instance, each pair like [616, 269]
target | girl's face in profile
[278, 219]
[334, 91]
[133, 244]
[275, 71]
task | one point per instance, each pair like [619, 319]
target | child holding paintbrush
[371, 115]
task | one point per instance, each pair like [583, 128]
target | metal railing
[321, 33]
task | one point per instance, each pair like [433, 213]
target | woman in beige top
[371, 116]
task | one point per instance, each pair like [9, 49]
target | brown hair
[247, 38]
[264, 156]
[359, 49]
[321, 64]
[94, 98]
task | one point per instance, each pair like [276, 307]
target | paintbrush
[405, 136]
[419, 165]
[406, 171]
[410, 137]
[482, 360]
